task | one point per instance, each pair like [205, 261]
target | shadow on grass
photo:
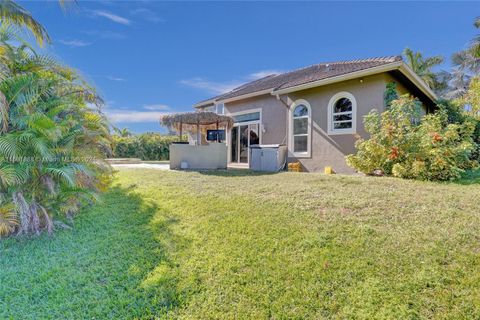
[115, 263]
[470, 177]
[235, 173]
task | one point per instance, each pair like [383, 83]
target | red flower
[436, 137]
[393, 153]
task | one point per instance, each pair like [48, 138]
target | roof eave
[397, 65]
[246, 96]
[412, 76]
[343, 77]
[204, 103]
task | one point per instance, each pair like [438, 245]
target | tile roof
[305, 75]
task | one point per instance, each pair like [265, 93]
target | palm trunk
[29, 219]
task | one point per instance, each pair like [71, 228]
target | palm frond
[8, 219]
[14, 13]
[65, 174]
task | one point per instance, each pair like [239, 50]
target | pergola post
[195, 119]
[198, 134]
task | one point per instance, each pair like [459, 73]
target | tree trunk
[29, 219]
[23, 210]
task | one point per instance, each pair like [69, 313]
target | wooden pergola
[193, 120]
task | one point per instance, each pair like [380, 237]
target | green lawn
[250, 246]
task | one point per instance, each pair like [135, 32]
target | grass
[238, 245]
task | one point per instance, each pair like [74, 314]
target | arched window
[342, 111]
[300, 128]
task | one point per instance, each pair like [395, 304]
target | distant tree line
[146, 146]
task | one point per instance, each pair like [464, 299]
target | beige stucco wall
[273, 116]
[211, 156]
[330, 150]
[326, 150]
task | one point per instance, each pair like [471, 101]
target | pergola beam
[193, 120]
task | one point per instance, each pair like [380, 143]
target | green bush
[147, 146]
[457, 114]
[405, 145]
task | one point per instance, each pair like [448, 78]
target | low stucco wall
[212, 156]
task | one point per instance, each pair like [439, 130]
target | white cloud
[147, 15]
[156, 107]
[105, 34]
[223, 87]
[131, 116]
[112, 78]
[112, 17]
[75, 43]
[211, 87]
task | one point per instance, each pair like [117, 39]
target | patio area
[207, 151]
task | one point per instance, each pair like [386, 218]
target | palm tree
[52, 140]
[124, 132]
[466, 65]
[476, 41]
[423, 67]
[14, 14]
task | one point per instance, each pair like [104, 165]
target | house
[317, 111]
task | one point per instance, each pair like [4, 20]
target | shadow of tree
[115, 263]
[469, 178]
[235, 173]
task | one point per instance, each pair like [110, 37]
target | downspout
[286, 118]
[287, 124]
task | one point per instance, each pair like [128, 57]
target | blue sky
[148, 58]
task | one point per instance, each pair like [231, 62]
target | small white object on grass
[183, 165]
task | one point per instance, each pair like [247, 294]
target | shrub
[404, 145]
[390, 94]
[147, 146]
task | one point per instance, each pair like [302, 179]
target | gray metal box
[270, 158]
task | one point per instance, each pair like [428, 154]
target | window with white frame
[342, 110]
[220, 108]
[300, 128]
[209, 109]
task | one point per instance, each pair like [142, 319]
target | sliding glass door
[242, 137]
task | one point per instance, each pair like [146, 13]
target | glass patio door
[242, 136]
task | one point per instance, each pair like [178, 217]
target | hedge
[146, 146]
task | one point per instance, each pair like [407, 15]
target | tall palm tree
[423, 66]
[476, 41]
[466, 65]
[13, 13]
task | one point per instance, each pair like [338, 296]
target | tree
[466, 64]
[53, 138]
[404, 145]
[390, 94]
[475, 47]
[423, 67]
[124, 132]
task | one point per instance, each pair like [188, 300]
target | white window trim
[309, 130]
[238, 113]
[217, 105]
[228, 132]
[331, 103]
